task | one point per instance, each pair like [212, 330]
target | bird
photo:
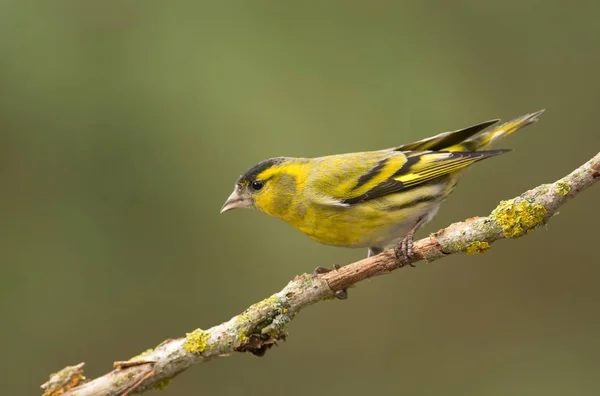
[373, 199]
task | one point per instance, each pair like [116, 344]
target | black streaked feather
[411, 160]
[446, 139]
[430, 171]
[387, 187]
[257, 169]
[409, 204]
[365, 178]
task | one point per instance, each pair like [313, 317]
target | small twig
[65, 379]
[141, 380]
[130, 363]
[263, 324]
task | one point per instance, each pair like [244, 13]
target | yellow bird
[374, 199]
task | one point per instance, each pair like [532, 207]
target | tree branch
[263, 324]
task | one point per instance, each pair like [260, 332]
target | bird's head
[269, 186]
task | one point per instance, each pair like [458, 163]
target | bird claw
[404, 252]
[340, 294]
[323, 270]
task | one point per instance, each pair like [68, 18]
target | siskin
[373, 199]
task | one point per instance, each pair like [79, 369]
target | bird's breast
[376, 222]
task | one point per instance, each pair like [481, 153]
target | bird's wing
[406, 170]
[336, 178]
[446, 139]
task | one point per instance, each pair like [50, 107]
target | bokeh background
[125, 124]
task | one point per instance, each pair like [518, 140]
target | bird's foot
[404, 251]
[340, 294]
[323, 270]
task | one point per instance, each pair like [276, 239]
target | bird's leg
[404, 249]
[374, 251]
[340, 294]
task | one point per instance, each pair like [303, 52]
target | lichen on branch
[264, 324]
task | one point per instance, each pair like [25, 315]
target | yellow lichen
[161, 385]
[267, 302]
[266, 317]
[66, 379]
[196, 341]
[477, 247]
[244, 317]
[543, 189]
[562, 187]
[518, 218]
[146, 352]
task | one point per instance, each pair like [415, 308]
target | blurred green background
[126, 124]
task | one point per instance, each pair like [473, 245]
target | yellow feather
[368, 199]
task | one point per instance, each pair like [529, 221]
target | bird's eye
[257, 185]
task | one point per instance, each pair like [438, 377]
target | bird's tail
[484, 139]
[473, 138]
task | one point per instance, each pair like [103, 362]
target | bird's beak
[236, 200]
